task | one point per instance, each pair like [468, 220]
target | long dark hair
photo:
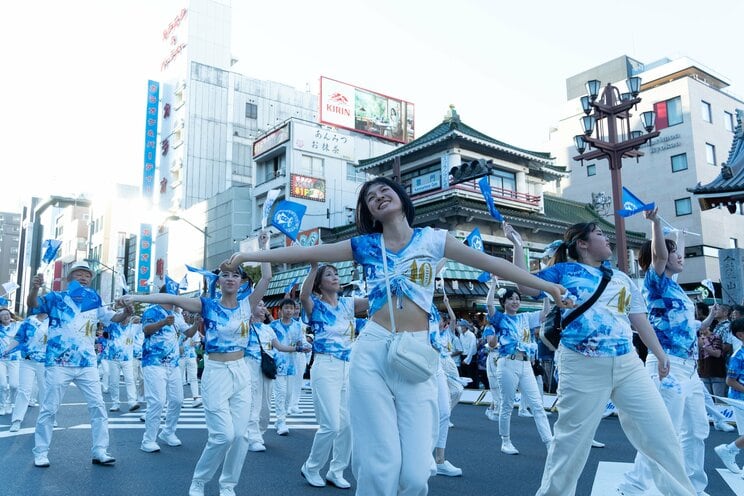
[576, 232]
[645, 257]
[365, 222]
[319, 276]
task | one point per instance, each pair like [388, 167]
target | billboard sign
[143, 260]
[323, 142]
[307, 188]
[426, 182]
[271, 140]
[364, 111]
[310, 237]
[151, 138]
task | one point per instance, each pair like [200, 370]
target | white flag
[271, 197]
[184, 284]
[9, 287]
[709, 284]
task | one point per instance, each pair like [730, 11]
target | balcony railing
[504, 194]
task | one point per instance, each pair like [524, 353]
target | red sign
[310, 237]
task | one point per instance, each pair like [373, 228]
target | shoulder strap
[387, 282]
[257, 336]
[606, 276]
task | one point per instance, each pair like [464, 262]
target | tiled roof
[731, 178]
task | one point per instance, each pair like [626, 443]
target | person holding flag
[393, 418]
[120, 359]
[71, 357]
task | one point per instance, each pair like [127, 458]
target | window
[504, 182]
[683, 206]
[710, 154]
[312, 166]
[354, 174]
[668, 113]
[251, 111]
[679, 162]
[728, 121]
[707, 112]
[591, 170]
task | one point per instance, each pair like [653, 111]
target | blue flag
[211, 278]
[4, 302]
[288, 218]
[485, 188]
[291, 285]
[632, 204]
[484, 277]
[50, 247]
[85, 298]
[474, 240]
[245, 290]
[171, 286]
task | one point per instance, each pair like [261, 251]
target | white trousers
[583, 388]
[281, 403]
[393, 421]
[329, 377]
[227, 399]
[188, 374]
[493, 381]
[139, 378]
[31, 372]
[443, 401]
[161, 384]
[261, 386]
[294, 389]
[511, 374]
[104, 374]
[684, 396]
[117, 368]
[57, 379]
[9, 377]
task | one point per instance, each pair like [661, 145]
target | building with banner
[697, 118]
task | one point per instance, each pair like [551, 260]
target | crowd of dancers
[391, 429]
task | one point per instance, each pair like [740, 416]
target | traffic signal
[470, 170]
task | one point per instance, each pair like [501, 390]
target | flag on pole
[485, 188]
[633, 205]
[709, 284]
[122, 283]
[9, 287]
[210, 277]
[271, 197]
[291, 285]
[50, 247]
[288, 218]
[484, 277]
[184, 284]
[171, 286]
[474, 240]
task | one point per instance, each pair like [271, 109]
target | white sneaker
[337, 480]
[103, 458]
[169, 439]
[114, 408]
[508, 448]
[314, 479]
[227, 491]
[723, 426]
[196, 403]
[525, 413]
[597, 444]
[625, 489]
[256, 447]
[451, 425]
[41, 461]
[196, 488]
[728, 457]
[134, 406]
[492, 415]
[446, 468]
[294, 411]
[15, 426]
[281, 428]
[150, 447]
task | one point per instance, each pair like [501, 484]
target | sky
[74, 87]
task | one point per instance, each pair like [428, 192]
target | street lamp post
[113, 274]
[607, 134]
[204, 232]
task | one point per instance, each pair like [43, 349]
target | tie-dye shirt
[73, 319]
[7, 333]
[119, 343]
[444, 342]
[32, 338]
[604, 328]
[333, 327]
[161, 347]
[267, 335]
[411, 270]
[735, 370]
[515, 332]
[672, 315]
[289, 335]
[188, 345]
[138, 339]
[225, 329]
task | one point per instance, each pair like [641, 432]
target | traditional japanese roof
[453, 130]
[727, 189]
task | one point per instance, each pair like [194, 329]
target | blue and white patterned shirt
[188, 345]
[225, 329]
[267, 335]
[119, 343]
[671, 314]
[8, 333]
[73, 319]
[138, 339]
[289, 335]
[161, 347]
[411, 269]
[735, 370]
[32, 338]
[604, 329]
[333, 327]
[444, 342]
[515, 332]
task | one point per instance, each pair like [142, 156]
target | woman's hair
[319, 276]
[702, 310]
[508, 294]
[365, 222]
[576, 232]
[644, 256]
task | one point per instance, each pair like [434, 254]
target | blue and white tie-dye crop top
[671, 314]
[411, 269]
[333, 327]
[225, 329]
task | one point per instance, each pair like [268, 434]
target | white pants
[31, 372]
[684, 396]
[162, 383]
[188, 374]
[261, 386]
[227, 399]
[329, 377]
[139, 379]
[281, 387]
[511, 374]
[104, 374]
[393, 421]
[294, 388]
[57, 379]
[9, 377]
[739, 417]
[454, 385]
[583, 388]
[493, 381]
[444, 408]
[123, 367]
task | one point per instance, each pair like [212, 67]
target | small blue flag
[288, 218]
[4, 302]
[85, 298]
[184, 284]
[485, 188]
[632, 204]
[484, 277]
[291, 285]
[50, 248]
[211, 278]
[171, 286]
[245, 290]
[474, 240]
